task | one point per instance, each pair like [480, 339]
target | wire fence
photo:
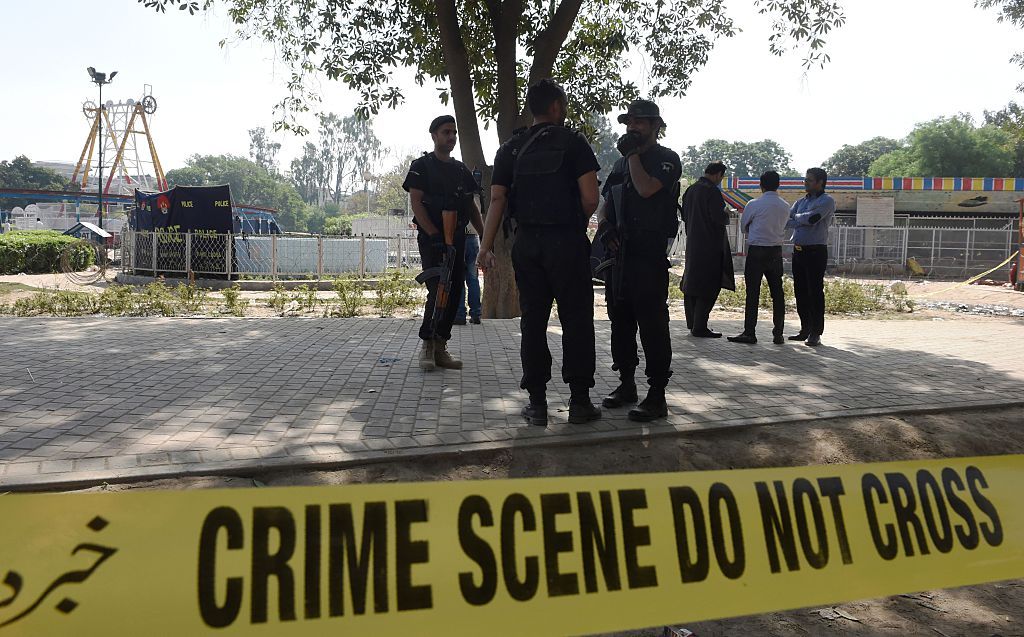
[942, 247]
[263, 256]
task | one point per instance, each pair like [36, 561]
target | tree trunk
[500, 296]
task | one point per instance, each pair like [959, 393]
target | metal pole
[273, 257]
[99, 189]
[188, 253]
[319, 257]
[230, 240]
[362, 256]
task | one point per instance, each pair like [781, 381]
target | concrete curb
[553, 436]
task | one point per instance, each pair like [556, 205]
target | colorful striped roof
[953, 184]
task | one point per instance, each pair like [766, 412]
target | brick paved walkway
[86, 400]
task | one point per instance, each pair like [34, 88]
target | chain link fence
[263, 256]
[943, 247]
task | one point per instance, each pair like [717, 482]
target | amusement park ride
[114, 132]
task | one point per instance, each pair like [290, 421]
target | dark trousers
[809, 263]
[431, 259]
[643, 307]
[552, 264]
[764, 261]
[698, 310]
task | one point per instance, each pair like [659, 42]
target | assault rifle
[618, 258]
[443, 272]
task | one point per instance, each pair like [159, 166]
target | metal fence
[263, 256]
[945, 248]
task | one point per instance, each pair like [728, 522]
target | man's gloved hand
[608, 235]
[629, 144]
[437, 246]
[815, 218]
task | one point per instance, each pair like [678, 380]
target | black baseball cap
[641, 109]
[441, 121]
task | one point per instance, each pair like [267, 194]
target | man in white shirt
[764, 222]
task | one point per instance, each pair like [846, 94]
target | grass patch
[8, 288]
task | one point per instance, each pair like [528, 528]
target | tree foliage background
[855, 160]
[21, 173]
[950, 147]
[742, 159]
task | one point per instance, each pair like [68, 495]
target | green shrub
[233, 300]
[156, 299]
[898, 298]
[350, 297]
[305, 296]
[191, 297]
[278, 297]
[394, 291]
[39, 252]
[850, 297]
[59, 303]
[117, 300]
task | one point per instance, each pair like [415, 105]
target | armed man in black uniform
[437, 183]
[638, 219]
[545, 179]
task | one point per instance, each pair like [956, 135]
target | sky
[895, 63]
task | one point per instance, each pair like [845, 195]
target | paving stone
[309, 395]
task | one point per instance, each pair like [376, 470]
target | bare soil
[992, 609]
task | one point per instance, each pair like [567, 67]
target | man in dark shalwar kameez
[708, 254]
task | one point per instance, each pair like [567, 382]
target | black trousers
[698, 310]
[643, 307]
[552, 264]
[809, 264]
[430, 259]
[764, 261]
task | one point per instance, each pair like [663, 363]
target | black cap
[645, 109]
[441, 121]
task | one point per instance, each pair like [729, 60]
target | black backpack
[544, 191]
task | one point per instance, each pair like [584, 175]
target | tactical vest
[661, 219]
[443, 195]
[544, 189]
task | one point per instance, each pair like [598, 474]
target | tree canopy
[742, 159]
[855, 160]
[1011, 121]
[950, 147]
[484, 53]
[22, 173]
[250, 184]
[333, 165]
[1011, 11]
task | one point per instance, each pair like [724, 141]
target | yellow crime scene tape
[543, 556]
[973, 278]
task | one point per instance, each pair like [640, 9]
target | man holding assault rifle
[441, 191]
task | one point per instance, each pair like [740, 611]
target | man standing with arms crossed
[437, 183]
[764, 222]
[641, 198]
[811, 218]
[545, 179]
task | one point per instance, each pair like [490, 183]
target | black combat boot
[652, 407]
[624, 394]
[581, 410]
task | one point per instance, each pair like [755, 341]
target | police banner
[546, 556]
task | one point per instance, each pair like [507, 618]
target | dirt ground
[992, 609]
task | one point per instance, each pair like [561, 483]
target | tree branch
[550, 40]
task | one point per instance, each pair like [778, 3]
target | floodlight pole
[100, 79]
[99, 140]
